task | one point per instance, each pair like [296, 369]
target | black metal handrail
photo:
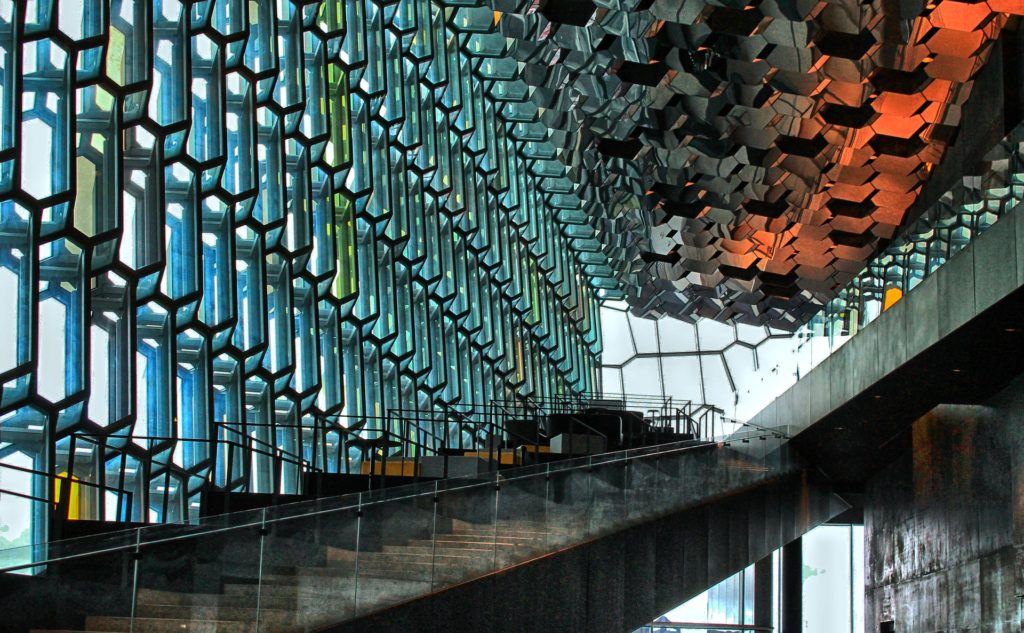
[58, 481]
[251, 447]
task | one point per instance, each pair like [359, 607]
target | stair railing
[166, 459]
[322, 562]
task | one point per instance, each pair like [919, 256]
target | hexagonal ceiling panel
[756, 153]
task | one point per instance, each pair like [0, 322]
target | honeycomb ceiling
[752, 156]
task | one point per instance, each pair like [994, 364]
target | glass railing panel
[523, 524]
[667, 485]
[698, 472]
[18, 558]
[384, 493]
[81, 593]
[734, 469]
[560, 531]
[12, 558]
[770, 451]
[309, 568]
[463, 543]
[394, 561]
[168, 531]
[607, 480]
[643, 480]
[571, 504]
[313, 507]
[211, 577]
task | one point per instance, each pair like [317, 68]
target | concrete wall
[944, 524]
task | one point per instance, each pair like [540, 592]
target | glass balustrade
[309, 564]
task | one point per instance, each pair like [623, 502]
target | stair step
[284, 614]
[217, 613]
[161, 625]
[326, 586]
[472, 540]
[424, 548]
[158, 596]
[239, 600]
[511, 526]
[450, 540]
[345, 570]
[398, 561]
[439, 555]
[318, 579]
[506, 532]
[396, 558]
[503, 533]
[285, 592]
[457, 545]
[533, 526]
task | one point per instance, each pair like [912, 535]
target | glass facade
[831, 590]
[232, 231]
[833, 579]
[729, 602]
[733, 367]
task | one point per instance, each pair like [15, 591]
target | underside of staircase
[620, 582]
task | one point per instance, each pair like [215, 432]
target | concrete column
[792, 587]
[763, 581]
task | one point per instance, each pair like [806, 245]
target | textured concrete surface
[944, 523]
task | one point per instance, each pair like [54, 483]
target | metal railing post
[433, 535]
[259, 571]
[355, 572]
[136, 557]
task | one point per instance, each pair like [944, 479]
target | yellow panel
[507, 456]
[892, 295]
[530, 448]
[395, 468]
[74, 501]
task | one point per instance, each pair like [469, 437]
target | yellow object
[505, 456]
[892, 296]
[75, 492]
[395, 468]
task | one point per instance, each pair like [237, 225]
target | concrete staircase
[458, 544]
[308, 597]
